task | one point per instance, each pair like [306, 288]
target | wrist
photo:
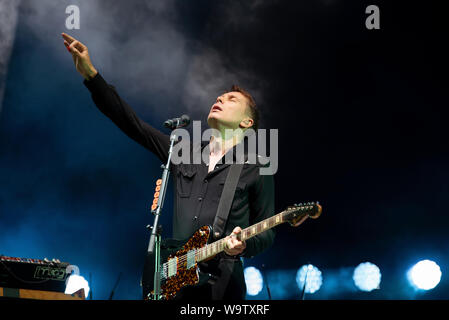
[90, 74]
[236, 254]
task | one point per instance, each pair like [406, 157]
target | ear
[246, 123]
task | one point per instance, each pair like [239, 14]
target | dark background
[361, 116]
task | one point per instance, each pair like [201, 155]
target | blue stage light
[253, 280]
[367, 276]
[425, 275]
[75, 283]
[313, 276]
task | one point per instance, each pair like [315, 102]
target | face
[230, 110]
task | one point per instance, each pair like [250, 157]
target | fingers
[236, 243]
[68, 41]
[232, 243]
[237, 230]
[68, 38]
[233, 246]
[74, 48]
[67, 45]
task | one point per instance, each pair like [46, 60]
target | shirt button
[199, 199]
[195, 217]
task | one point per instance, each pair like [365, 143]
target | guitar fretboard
[189, 260]
[194, 256]
[218, 246]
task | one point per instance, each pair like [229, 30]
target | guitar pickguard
[183, 277]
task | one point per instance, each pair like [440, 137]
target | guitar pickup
[172, 266]
[191, 259]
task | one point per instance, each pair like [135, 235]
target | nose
[219, 99]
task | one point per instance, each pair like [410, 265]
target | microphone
[177, 122]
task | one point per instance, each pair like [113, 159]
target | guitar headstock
[296, 212]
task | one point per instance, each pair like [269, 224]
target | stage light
[367, 276]
[76, 282]
[425, 275]
[253, 280]
[313, 276]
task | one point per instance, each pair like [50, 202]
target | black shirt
[197, 191]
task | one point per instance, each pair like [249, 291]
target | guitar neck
[218, 246]
[293, 214]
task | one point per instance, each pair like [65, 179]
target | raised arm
[113, 106]
[80, 55]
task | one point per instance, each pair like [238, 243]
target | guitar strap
[227, 196]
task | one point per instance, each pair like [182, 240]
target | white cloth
[216, 152]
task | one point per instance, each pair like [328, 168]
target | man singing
[198, 187]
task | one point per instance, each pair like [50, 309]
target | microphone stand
[266, 281]
[115, 286]
[154, 245]
[90, 281]
[304, 288]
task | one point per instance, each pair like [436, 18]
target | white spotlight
[313, 276]
[367, 276]
[425, 275]
[253, 280]
[75, 283]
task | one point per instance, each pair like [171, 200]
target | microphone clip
[175, 123]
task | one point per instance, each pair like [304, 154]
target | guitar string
[184, 257]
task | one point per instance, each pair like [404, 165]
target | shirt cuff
[96, 83]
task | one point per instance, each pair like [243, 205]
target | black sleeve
[110, 104]
[261, 208]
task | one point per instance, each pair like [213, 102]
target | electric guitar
[180, 259]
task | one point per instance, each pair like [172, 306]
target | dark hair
[253, 110]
